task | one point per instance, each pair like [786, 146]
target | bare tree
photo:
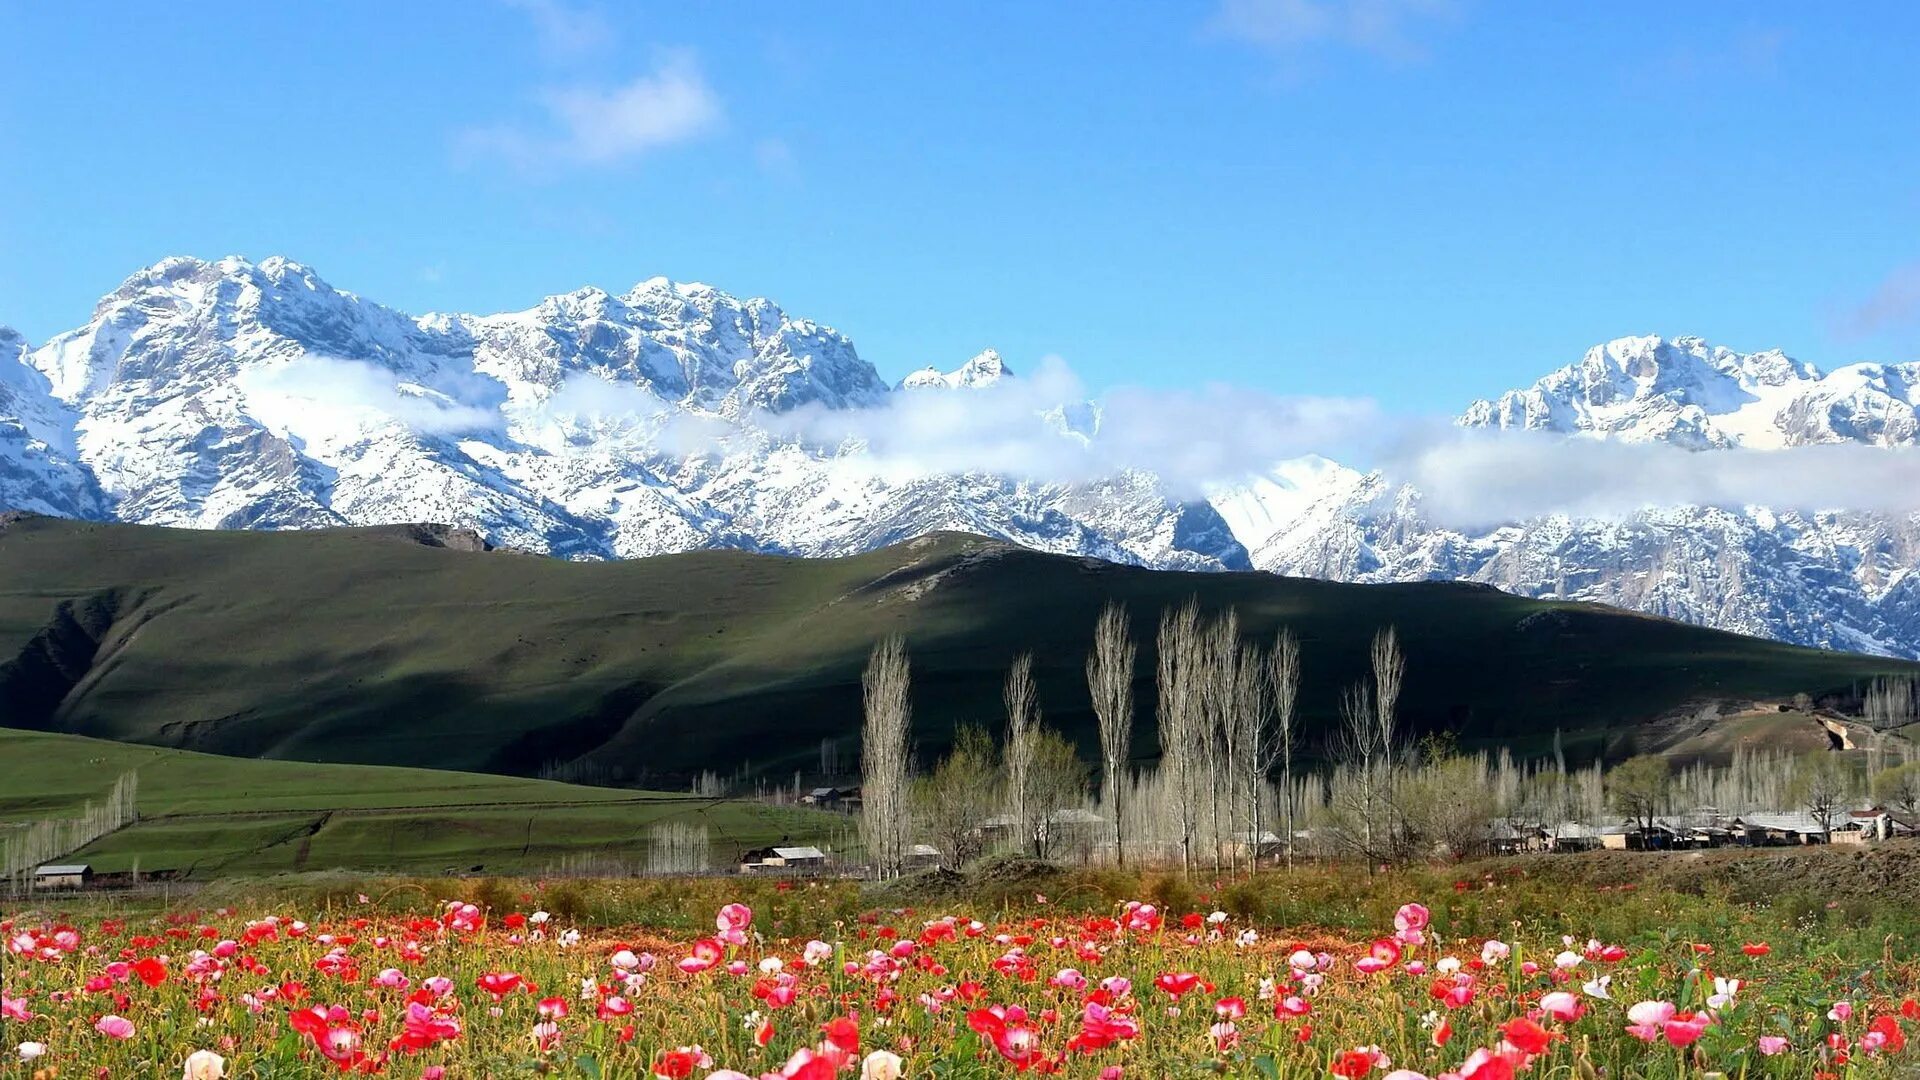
[1250, 758]
[1825, 783]
[1389, 666]
[1178, 715]
[885, 819]
[1892, 702]
[1276, 741]
[1023, 715]
[1219, 732]
[1110, 681]
[1354, 796]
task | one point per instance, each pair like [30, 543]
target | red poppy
[843, 1033]
[150, 970]
[1527, 1036]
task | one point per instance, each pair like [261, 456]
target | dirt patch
[1888, 873]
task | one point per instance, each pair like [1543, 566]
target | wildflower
[31, 1051]
[1772, 1045]
[705, 954]
[1384, 954]
[114, 1027]
[203, 1065]
[499, 983]
[732, 922]
[1526, 1036]
[1562, 1006]
[1358, 1062]
[679, 1064]
[1756, 948]
[1647, 1018]
[882, 1065]
[1177, 983]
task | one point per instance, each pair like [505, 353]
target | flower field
[806, 982]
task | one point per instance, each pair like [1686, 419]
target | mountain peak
[982, 371]
[1681, 390]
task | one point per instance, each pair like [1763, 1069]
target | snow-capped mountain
[1837, 580]
[40, 469]
[238, 395]
[984, 370]
[233, 395]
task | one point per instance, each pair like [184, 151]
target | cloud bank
[1475, 479]
[1046, 427]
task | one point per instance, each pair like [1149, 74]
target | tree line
[1231, 782]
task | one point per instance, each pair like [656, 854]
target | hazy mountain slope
[388, 646]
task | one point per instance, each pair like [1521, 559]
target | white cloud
[1193, 440]
[325, 400]
[1473, 480]
[1389, 28]
[1045, 427]
[585, 125]
[565, 31]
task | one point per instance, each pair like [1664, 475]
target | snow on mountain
[1700, 396]
[983, 370]
[1837, 580]
[230, 394]
[39, 466]
[233, 395]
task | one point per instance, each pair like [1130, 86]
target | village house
[63, 876]
[783, 859]
[1872, 826]
[844, 799]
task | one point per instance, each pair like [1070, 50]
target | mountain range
[240, 395]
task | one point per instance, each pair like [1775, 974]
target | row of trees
[51, 838]
[1229, 781]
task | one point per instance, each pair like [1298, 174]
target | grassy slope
[365, 646]
[211, 814]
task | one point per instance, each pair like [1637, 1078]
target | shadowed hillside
[397, 646]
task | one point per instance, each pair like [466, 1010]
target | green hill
[383, 646]
[203, 815]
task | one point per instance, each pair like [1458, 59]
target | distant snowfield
[237, 395]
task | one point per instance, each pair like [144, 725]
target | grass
[368, 646]
[205, 816]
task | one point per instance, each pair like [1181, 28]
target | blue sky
[1420, 200]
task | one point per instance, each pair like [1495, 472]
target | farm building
[776, 859]
[1762, 830]
[925, 856]
[62, 876]
[1871, 826]
[844, 799]
[1660, 837]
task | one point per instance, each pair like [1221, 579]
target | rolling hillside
[202, 815]
[388, 646]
